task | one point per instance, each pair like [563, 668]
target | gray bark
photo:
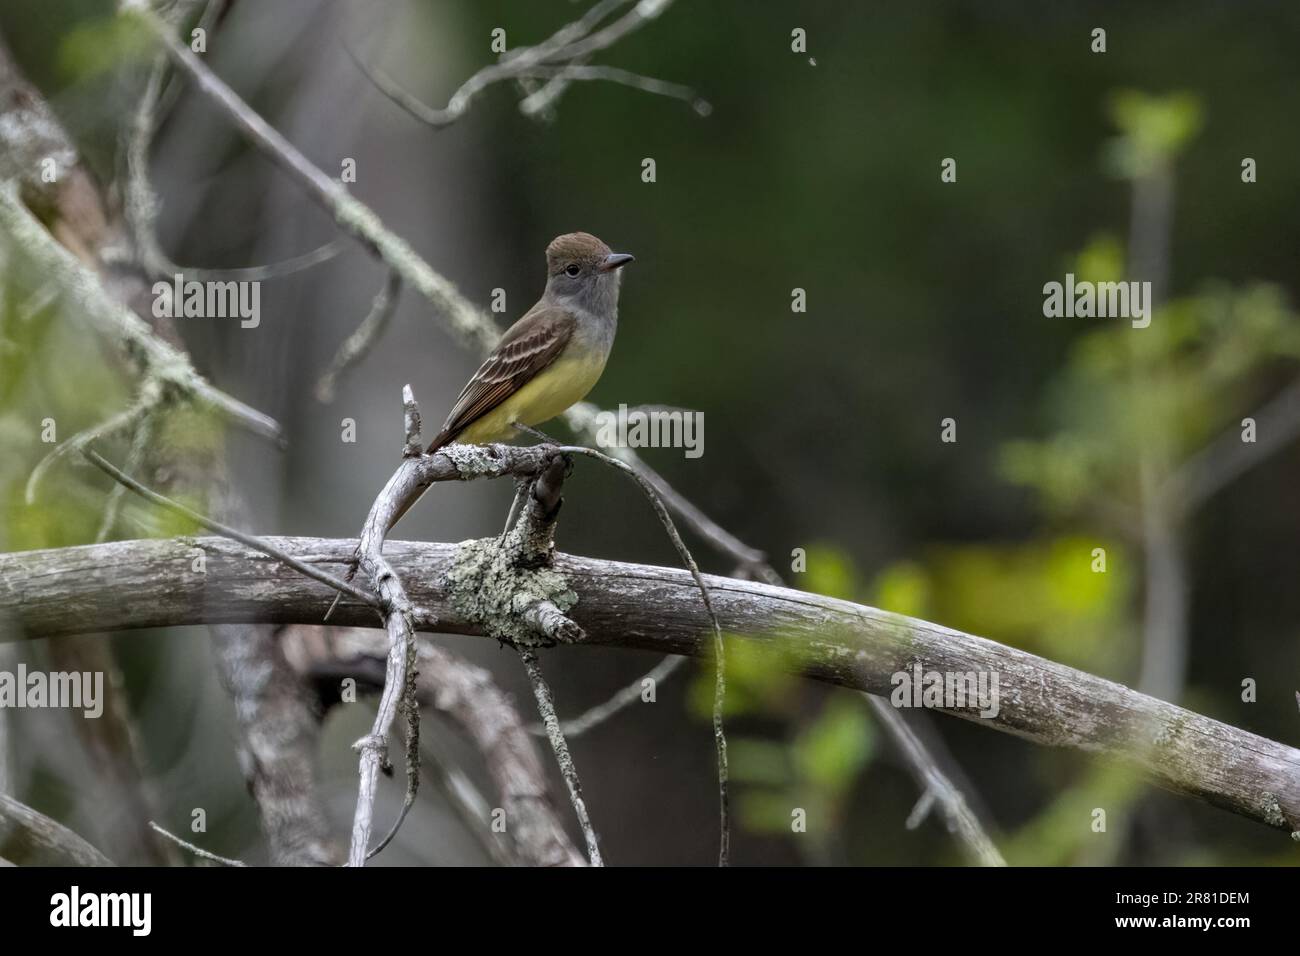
[133, 584]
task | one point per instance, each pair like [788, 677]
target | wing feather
[529, 346]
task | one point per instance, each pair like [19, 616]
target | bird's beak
[615, 260]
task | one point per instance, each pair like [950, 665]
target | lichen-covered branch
[135, 584]
[506, 585]
[160, 362]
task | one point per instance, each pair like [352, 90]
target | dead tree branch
[1226, 458]
[530, 544]
[470, 697]
[936, 788]
[161, 363]
[134, 584]
[559, 60]
[355, 347]
[399, 680]
[196, 850]
[508, 584]
[45, 840]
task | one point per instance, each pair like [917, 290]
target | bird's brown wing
[529, 346]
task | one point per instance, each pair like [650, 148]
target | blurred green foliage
[1153, 131]
[56, 384]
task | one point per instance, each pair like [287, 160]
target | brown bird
[551, 357]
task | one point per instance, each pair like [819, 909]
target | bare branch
[936, 788]
[196, 850]
[32, 832]
[134, 584]
[352, 216]
[582, 419]
[1277, 424]
[624, 698]
[135, 459]
[171, 368]
[140, 206]
[546, 705]
[359, 343]
[719, 650]
[203, 521]
[123, 797]
[530, 543]
[560, 60]
[139, 411]
[558, 76]
[469, 696]
[399, 679]
[278, 729]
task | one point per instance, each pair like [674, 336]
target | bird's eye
[573, 269]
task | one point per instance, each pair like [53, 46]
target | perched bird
[551, 357]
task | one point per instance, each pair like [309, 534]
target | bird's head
[582, 271]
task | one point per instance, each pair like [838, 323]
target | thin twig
[936, 787]
[557, 76]
[226, 531]
[197, 850]
[400, 668]
[622, 699]
[1277, 423]
[351, 215]
[141, 205]
[361, 341]
[546, 705]
[582, 418]
[140, 208]
[213, 11]
[570, 46]
[148, 400]
[170, 367]
[135, 458]
[411, 710]
[268, 270]
[469, 696]
[719, 651]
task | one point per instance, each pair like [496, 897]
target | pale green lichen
[471, 461]
[1272, 809]
[485, 586]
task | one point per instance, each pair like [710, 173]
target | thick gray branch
[153, 584]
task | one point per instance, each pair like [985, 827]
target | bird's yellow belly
[557, 387]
